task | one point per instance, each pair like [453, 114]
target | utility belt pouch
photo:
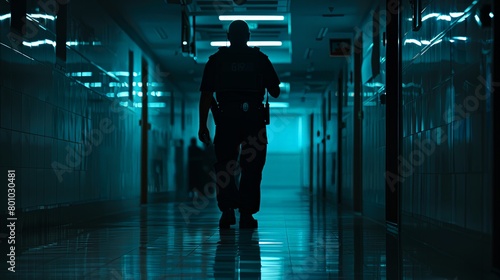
[214, 107]
[267, 117]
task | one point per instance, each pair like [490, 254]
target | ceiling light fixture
[461, 38]
[249, 43]
[242, 17]
[252, 25]
[279, 104]
[161, 33]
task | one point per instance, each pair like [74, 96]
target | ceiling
[157, 24]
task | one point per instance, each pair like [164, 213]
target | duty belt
[244, 106]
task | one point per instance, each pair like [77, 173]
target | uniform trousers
[240, 148]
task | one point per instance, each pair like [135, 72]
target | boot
[247, 221]
[227, 219]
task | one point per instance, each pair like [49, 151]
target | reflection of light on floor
[272, 267]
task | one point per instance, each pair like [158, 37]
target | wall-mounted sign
[340, 47]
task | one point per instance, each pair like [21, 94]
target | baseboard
[65, 214]
[47, 225]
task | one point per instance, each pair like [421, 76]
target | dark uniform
[239, 76]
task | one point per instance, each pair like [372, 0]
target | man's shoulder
[221, 50]
[259, 52]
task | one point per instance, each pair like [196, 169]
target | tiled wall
[372, 124]
[444, 67]
[374, 161]
[49, 114]
[446, 181]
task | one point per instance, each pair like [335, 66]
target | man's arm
[206, 89]
[205, 100]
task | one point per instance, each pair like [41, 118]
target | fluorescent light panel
[242, 17]
[456, 14]
[461, 38]
[42, 16]
[249, 43]
[322, 33]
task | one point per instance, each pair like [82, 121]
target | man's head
[238, 32]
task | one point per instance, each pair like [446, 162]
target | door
[311, 153]
[357, 115]
[496, 158]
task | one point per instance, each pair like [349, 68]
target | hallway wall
[445, 168]
[331, 119]
[372, 114]
[347, 154]
[286, 143]
[73, 141]
[373, 124]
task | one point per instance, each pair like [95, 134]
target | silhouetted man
[195, 167]
[239, 75]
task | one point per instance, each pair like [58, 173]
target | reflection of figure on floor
[249, 249]
[195, 166]
[229, 249]
[179, 174]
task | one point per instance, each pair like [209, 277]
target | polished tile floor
[297, 238]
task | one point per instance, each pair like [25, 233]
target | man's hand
[204, 135]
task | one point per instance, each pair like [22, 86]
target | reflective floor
[296, 239]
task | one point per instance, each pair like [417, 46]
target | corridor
[380, 149]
